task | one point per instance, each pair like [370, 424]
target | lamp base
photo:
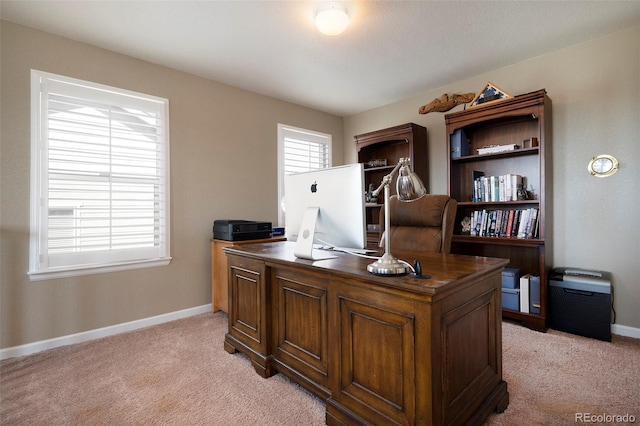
[388, 265]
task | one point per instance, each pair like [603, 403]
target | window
[300, 150]
[99, 178]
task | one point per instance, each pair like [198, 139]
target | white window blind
[300, 150]
[100, 174]
[303, 156]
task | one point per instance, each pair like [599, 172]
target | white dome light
[332, 19]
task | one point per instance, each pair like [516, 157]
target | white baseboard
[625, 330]
[70, 339]
[43, 345]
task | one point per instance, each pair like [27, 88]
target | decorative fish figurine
[445, 102]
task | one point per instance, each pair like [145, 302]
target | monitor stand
[304, 245]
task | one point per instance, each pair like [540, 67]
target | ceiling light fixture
[331, 18]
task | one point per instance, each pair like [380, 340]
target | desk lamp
[409, 188]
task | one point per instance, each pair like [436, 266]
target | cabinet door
[249, 323]
[471, 351]
[300, 334]
[375, 357]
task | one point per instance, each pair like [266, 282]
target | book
[485, 188]
[536, 232]
[524, 293]
[532, 224]
[534, 294]
[492, 223]
[499, 214]
[510, 223]
[527, 224]
[502, 188]
[493, 184]
[517, 183]
[485, 222]
[477, 223]
[474, 219]
[459, 144]
[516, 219]
[522, 226]
[476, 176]
[505, 222]
[497, 148]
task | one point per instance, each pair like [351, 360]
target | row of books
[514, 223]
[496, 188]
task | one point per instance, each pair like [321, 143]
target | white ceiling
[391, 49]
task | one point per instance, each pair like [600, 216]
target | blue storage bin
[511, 298]
[510, 278]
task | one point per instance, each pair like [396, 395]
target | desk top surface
[443, 269]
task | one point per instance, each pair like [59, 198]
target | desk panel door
[300, 325]
[377, 353]
[471, 351]
[249, 316]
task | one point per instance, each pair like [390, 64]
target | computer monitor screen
[337, 193]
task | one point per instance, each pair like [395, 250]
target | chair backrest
[423, 225]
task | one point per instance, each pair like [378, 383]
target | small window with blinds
[100, 178]
[300, 150]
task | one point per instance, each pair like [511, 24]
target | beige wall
[216, 130]
[595, 90]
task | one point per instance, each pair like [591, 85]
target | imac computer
[325, 209]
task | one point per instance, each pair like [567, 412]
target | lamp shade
[409, 186]
[331, 19]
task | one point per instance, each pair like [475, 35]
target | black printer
[241, 230]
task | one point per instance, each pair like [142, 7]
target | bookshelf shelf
[497, 203]
[385, 169]
[469, 239]
[519, 121]
[506, 154]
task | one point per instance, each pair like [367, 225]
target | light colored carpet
[553, 376]
[179, 374]
[171, 374]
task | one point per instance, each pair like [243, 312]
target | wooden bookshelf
[510, 121]
[391, 144]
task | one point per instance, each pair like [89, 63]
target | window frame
[286, 131]
[44, 265]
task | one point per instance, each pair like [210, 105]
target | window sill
[91, 270]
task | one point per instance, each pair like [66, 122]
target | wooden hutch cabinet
[219, 270]
[380, 151]
[485, 184]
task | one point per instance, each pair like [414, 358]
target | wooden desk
[219, 283]
[378, 350]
